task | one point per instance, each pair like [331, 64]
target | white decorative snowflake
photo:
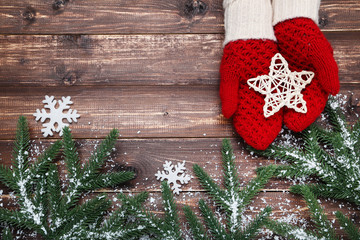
[56, 115]
[282, 87]
[175, 175]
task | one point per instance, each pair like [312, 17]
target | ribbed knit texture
[248, 19]
[289, 9]
[304, 46]
[242, 60]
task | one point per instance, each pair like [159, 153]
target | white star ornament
[282, 87]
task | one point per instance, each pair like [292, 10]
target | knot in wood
[195, 7]
[59, 4]
[29, 14]
[323, 20]
[70, 79]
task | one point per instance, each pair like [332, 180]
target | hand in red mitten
[248, 53]
[304, 46]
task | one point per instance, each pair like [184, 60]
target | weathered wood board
[146, 157]
[137, 111]
[142, 16]
[62, 60]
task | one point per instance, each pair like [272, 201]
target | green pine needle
[55, 212]
[232, 200]
[291, 232]
[45, 159]
[350, 228]
[6, 234]
[166, 228]
[209, 185]
[331, 155]
[318, 216]
[213, 224]
[252, 230]
[171, 216]
[196, 227]
[324, 229]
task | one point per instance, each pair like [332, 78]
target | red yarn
[242, 60]
[303, 45]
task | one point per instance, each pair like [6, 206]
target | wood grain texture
[46, 60]
[147, 156]
[138, 112]
[142, 16]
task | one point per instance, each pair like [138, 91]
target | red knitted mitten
[242, 60]
[304, 46]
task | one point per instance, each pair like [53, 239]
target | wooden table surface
[149, 68]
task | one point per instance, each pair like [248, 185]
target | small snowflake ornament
[175, 175]
[282, 87]
[56, 115]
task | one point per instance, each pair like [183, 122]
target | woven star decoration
[282, 87]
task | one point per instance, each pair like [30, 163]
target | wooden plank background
[150, 69]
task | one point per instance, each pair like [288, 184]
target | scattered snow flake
[56, 115]
[175, 175]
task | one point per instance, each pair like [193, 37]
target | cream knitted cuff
[288, 9]
[248, 19]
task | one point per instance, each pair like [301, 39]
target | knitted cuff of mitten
[248, 19]
[288, 9]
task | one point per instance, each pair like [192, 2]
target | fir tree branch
[71, 155]
[40, 201]
[331, 155]
[15, 218]
[291, 232]
[209, 185]
[212, 223]
[196, 227]
[254, 227]
[97, 159]
[6, 176]
[350, 228]
[232, 200]
[108, 180]
[286, 171]
[83, 215]
[136, 201]
[325, 191]
[21, 147]
[83, 178]
[44, 160]
[356, 136]
[334, 114]
[303, 165]
[123, 233]
[255, 185]
[230, 176]
[168, 228]
[171, 216]
[318, 216]
[131, 207]
[6, 234]
[56, 210]
[233, 207]
[73, 166]
[43, 207]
